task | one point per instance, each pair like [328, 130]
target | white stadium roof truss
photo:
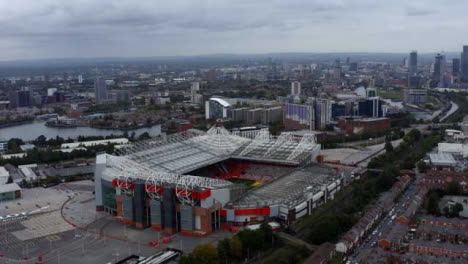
[162, 161]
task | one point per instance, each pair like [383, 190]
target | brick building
[363, 125]
[440, 179]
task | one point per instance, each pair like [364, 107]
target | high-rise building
[353, 66]
[323, 112]
[195, 96]
[80, 78]
[295, 88]
[439, 68]
[371, 107]
[20, 99]
[100, 90]
[413, 63]
[464, 64]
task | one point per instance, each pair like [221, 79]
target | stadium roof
[167, 158]
[221, 101]
[193, 149]
[291, 188]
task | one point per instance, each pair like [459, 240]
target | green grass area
[247, 183]
[395, 94]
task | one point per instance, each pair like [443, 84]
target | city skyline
[50, 29]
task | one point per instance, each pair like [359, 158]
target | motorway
[385, 224]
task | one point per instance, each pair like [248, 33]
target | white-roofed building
[452, 148]
[4, 175]
[118, 141]
[442, 159]
[27, 173]
[217, 107]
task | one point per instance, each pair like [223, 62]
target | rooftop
[9, 187]
[442, 159]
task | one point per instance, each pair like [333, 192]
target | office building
[371, 107]
[20, 98]
[297, 117]
[353, 66]
[464, 64]
[80, 78]
[100, 90]
[413, 63]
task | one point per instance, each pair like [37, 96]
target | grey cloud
[412, 11]
[88, 27]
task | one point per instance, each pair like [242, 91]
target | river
[31, 131]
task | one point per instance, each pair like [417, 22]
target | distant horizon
[227, 55]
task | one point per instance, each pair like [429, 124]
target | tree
[236, 247]
[456, 209]
[388, 147]
[144, 136]
[433, 204]
[205, 253]
[422, 166]
[224, 250]
[188, 259]
[267, 235]
[454, 188]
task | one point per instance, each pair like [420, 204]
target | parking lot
[84, 236]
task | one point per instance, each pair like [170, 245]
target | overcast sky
[110, 28]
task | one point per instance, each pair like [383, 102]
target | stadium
[196, 182]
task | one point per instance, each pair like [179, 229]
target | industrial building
[180, 183]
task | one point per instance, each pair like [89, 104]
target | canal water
[31, 131]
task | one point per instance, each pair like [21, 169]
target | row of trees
[413, 148]
[431, 203]
[246, 244]
[329, 222]
[51, 156]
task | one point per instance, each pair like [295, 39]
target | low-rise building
[9, 191]
[439, 249]
[435, 179]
